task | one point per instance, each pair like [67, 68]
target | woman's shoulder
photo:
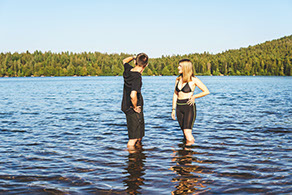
[195, 80]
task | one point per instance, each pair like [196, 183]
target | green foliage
[216, 72]
[147, 72]
[165, 71]
[269, 58]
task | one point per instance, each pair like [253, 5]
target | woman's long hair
[187, 69]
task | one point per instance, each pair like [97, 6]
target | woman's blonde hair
[187, 69]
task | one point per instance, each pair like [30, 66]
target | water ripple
[68, 136]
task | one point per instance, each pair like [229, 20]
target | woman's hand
[191, 101]
[173, 114]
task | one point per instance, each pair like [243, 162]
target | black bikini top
[185, 89]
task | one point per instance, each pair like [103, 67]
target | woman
[184, 100]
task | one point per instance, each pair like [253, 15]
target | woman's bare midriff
[183, 96]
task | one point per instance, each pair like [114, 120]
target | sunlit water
[67, 135]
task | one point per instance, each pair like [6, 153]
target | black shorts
[136, 126]
[186, 114]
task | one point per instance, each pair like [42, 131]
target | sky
[156, 27]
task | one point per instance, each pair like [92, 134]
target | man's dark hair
[142, 59]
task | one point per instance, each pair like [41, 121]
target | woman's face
[179, 69]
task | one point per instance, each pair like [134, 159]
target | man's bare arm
[134, 100]
[128, 59]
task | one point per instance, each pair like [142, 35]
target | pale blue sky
[156, 27]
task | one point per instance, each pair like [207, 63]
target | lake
[67, 135]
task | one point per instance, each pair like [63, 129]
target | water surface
[67, 135]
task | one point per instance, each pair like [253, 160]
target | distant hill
[269, 58]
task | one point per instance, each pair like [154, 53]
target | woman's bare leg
[189, 137]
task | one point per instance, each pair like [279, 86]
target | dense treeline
[269, 58]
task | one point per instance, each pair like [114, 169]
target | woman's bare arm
[174, 100]
[205, 91]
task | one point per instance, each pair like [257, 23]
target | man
[132, 103]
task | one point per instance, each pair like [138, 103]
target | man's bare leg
[132, 142]
[139, 142]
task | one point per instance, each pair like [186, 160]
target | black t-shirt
[132, 82]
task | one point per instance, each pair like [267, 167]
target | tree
[149, 72]
[269, 58]
[165, 71]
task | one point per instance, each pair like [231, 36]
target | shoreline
[146, 76]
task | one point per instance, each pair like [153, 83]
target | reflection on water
[135, 171]
[188, 171]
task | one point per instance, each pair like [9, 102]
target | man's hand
[129, 59]
[137, 109]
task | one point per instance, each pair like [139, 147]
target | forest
[272, 58]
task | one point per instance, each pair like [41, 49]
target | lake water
[67, 135]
